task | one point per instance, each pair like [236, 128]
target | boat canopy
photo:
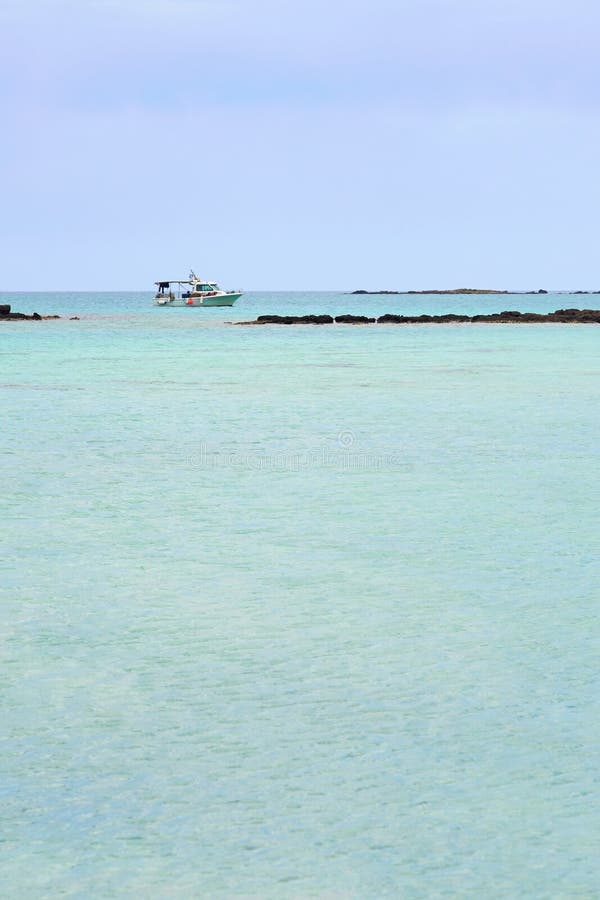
[165, 284]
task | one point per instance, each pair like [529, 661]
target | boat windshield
[204, 286]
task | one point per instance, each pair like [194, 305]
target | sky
[278, 144]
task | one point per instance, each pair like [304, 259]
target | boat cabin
[205, 288]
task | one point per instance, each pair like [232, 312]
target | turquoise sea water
[301, 612]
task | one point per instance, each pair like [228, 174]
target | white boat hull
[220, 299]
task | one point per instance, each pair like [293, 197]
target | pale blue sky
[299, 145]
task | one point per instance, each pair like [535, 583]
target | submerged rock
[23, 317]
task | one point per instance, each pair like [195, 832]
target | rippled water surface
[301, 612]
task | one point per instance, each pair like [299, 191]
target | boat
[192, 291]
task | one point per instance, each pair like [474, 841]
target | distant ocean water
[132, 303]
[298, 612]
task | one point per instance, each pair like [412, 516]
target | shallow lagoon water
[298, 612]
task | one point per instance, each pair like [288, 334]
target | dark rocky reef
[354, 320]
[507, 316]
[291, 320]
[311, 320]
[7, 316]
